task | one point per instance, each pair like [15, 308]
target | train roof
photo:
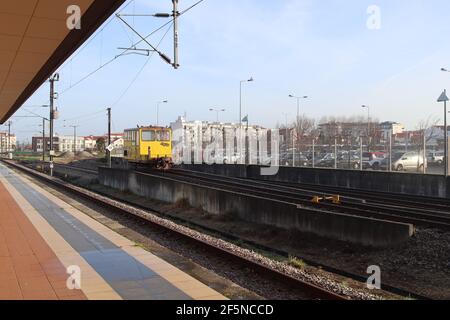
[148, 128]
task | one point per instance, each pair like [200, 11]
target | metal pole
[74, 139]
[446, 137]
[368, 129]
[240, 122]
[247, 145]
[43, 139]
[175, 34]
[293, 150]
[109, 137]
[314, 153]
[361, 153]
[406, 142]
[335, 153]
[240, 102]
[9, 138]
[157, 114]
[297, 129]
[52, 113]
[424, 151]
[390, 151]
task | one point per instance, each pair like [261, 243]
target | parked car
[346, 161]
[410, 161]
[383, 163]
[369, 157]
[380, 164]
[327, 161]
[436, 157]
[300, 160]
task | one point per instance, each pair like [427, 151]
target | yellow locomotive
[150, 146]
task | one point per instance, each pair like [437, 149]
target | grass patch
[296, 262]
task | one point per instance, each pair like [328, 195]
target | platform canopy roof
[35, 41]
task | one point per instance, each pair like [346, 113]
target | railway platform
[49, 250]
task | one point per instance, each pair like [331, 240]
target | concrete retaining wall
[396, 182]
[343, 227]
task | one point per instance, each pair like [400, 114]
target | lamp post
[297, 124]
[43, 129]
[240, 97]
[240, 115]
[217, 112]
[443, 98]
[157, 110]
[368, 125]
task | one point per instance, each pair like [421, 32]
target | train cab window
[164, 135]
[149, 135]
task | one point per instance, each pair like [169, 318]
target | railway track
[249, 243]
[360, 206]
[409, 201]
[315, 292]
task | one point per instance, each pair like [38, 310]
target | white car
[410, 161]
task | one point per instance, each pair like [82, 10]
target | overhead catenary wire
[140, 70]
[126, 89]
[128, 49]
[74, 84]
[107, 23]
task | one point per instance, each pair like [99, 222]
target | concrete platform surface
[50, 250]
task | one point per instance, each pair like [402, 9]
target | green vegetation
[296, 262]
[28, 156]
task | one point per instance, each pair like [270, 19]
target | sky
[323, 49]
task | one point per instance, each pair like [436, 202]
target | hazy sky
[323, 49]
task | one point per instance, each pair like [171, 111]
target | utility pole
[9, 139]
[43, 140]
[52, 80]
[175, 34]
[74, 139]
[109, 137]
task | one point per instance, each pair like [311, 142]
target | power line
[140, 70]
[128, 49]
[93, 37]
[85, 115]
[127, 88]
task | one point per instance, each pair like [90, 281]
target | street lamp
[43, 129]
[298, 103]
[240, 115]
[157, 110]
[443, 98]
[240, 97]
[368, 118]
[368, 125]
[217, 112]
